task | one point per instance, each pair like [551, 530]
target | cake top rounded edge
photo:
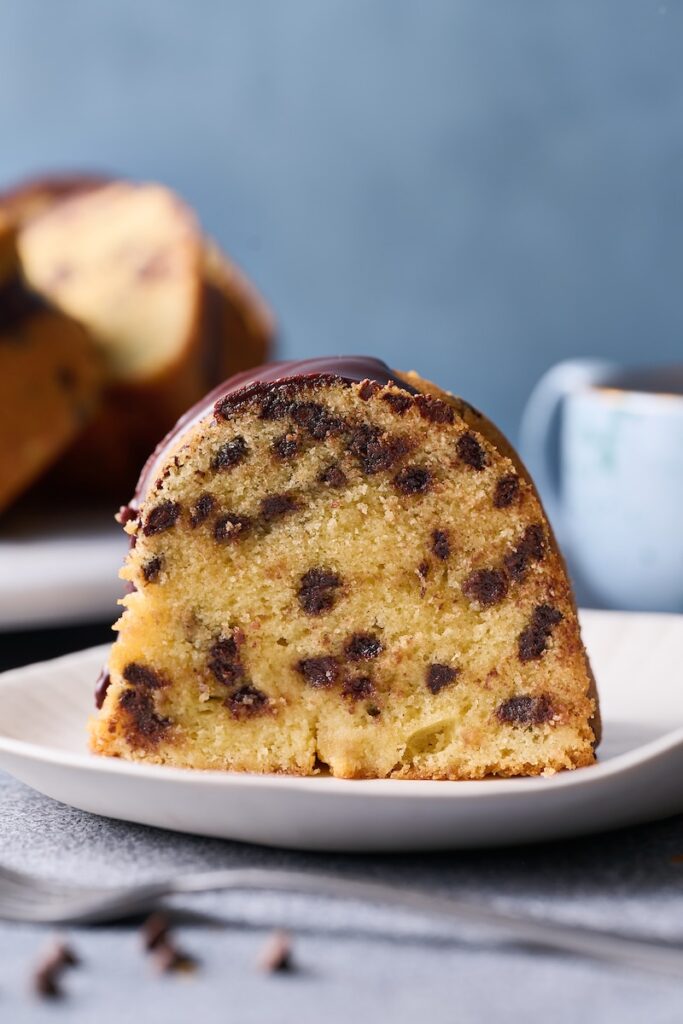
[350, 368]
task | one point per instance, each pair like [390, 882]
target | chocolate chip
[485, 587]
[333, 476]
[320, 673]
[359, 688]
[397, 403]
[471, 452]
[363, 647]
[434, 410]
[317, 591]
[202, 509]
[507, 491]
[276, 955]
[142, 675]
[169, 959]
[274, 506]
[546, 616]
[231, 527]
[66, 955]
[533, 640]
[230, 454]
[154, 930]
[525, 710]
[276, 404]
[101, 687]
[159, 482]
[531, 548]
[161, 518]
[368, 388]
[224, 661]
[46, 984]
[146, 722]
[439, 676]
[48, 973]
[286, 446]
[247, 701]
[316, 419]
[127, 514]
[413, 480]
[441, 545]
[152, 568]
[376, 451]
[157, 939]
[373, 711]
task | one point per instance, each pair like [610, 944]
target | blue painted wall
[475, 189]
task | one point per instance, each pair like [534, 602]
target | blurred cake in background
[50, 377]
[166, 310]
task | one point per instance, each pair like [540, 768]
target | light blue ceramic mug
[605, 447]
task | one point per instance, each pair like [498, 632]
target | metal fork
[29, 899]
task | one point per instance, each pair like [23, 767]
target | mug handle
[540, 426]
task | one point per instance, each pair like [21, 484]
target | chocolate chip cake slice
[335, 565]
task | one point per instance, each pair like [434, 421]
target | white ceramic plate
[637, 660]
[59, 568]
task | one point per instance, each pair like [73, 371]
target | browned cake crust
[240, 328]
[344, 572]
[50, 378]
[27, 199]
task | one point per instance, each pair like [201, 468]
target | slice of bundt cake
[126, 261]
[334, 564]
[238, 325]
[50, 378]
[164, 307]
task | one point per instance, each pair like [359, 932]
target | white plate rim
[62, 569]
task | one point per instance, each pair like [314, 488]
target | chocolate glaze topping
[348, 368]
